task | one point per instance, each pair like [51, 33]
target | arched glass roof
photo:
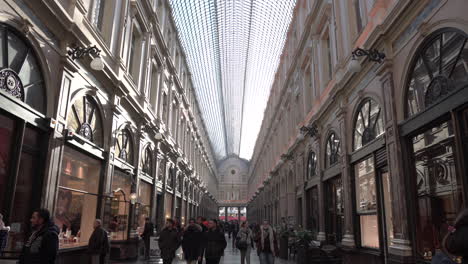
[233, 49]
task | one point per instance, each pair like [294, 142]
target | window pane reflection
[438, 189]
[366, 196]
[75, 211]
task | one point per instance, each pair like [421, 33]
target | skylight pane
[232, 49]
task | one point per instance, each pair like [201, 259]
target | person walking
[235, 230]
[244, 242]
[229, 226]
[214, 244]
[192, 242]
[169, 241]
[99, 244]
[267, 245]
[456, 240]
[200, 220]
[42, 245]
[148, 232]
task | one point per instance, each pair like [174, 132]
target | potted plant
[284, 233]
[303, 240]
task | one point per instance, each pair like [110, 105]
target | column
[401, 244]
[348, 232]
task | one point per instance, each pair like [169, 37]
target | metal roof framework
[233, 49]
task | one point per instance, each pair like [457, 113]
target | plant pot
[302, 257]
[283, 247]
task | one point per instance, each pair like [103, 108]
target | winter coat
[99, 243]
[214, 243]
[258, 240]
[148, 231]
[192, 242]
[169, 242]
[3, 239]
[457, 243]
[42, 246]
[245, 234]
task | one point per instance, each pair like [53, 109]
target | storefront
[371, 184]
[80, 181]
[24, 134]
[435, 137]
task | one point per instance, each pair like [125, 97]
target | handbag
[241, 244]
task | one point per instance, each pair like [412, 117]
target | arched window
[124, 146]
[333, 149]
[84, 119]
[368, 124]
[439, 68]
[311, 165]
[20, 74]
[162, 170]
[147, 161]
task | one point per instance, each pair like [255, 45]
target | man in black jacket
[214, 244]
[42, 245]
[192, 242]
[148, 232]
[169, 241]
[99, 245]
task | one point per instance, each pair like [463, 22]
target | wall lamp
[78, 52]
[285, 157]
[373, 55]
[311, 130]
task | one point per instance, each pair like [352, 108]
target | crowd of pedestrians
[200, 240]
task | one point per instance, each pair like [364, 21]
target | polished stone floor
[231, 256]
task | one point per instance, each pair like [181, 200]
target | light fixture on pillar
[133, 198]
[158, 136]
[96, 64]
[311, 130]
[372, 54]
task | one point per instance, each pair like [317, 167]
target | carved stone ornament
[11, 83]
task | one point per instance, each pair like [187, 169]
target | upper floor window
[20, 74]
[368, 124]
[105, 16]
[124, 146]
[439, 68]
[311, 165]
[332, 149]
[136, 53]
[84, 119]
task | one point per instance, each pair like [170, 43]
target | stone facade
[356, 175]
[120, 144]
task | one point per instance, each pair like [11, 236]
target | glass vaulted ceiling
[233, 49]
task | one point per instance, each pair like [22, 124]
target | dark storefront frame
[445, 106]
[23, 103]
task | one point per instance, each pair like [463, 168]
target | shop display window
[366, 202]
[144, 204]
[6, 137]
[76, 203]
[118, 213]
[439, 196]
[334, 210]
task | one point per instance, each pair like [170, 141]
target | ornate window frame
[332, 152]
[370, 127]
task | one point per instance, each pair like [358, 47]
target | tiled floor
[231, 256]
